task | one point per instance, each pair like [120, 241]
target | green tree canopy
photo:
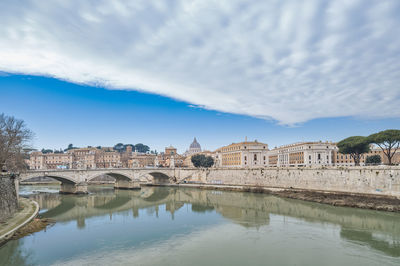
[44, 151]
[200, 160]
[355, 146]
[373, 159]
[119, 147]
[70, 147]
[142, 148]
[388, 141]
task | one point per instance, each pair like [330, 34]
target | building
[340, 159]
[193, 148]
[169, 158]
[40, 161]
[170, 151]
[142, 160]
[82, 158]
[243, 154]
[302, 154]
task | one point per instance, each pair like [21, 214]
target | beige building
[244, 154]
[302, 154]
[38, 160]
[82, 158]
[142, 160]
[346, 160]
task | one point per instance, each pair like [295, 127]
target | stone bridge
[76, 181]
[367, 180]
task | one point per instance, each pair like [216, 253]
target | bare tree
[14, 139]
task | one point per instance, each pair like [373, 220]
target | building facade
[244, 154]
[193, 148]
[302, 154]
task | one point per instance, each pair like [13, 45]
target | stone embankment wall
[8, 197]
[369, 180]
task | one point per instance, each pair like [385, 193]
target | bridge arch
[116, 176]
[161, 178]
[60, 178]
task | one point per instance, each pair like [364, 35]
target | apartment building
[302, 154]
[244, 154]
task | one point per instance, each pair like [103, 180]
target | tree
[197, 160]
[209, 161]
[44, 151]
[14, 138]
[355, 146]
[200, 160]
[388, 141]
[373, 159]
[70, 147]
[119, 147]
[141, 148]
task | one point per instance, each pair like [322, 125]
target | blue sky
[162, 72]
[60, 113]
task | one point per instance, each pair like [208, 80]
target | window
[264, 158]
[245, 158]
[255, 157]
[319, 156]
[309, 157]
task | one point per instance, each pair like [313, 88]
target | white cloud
[291, 61]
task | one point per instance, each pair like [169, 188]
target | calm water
[168, 226]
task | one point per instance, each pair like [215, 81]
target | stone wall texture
[368, 180]
[8, 197]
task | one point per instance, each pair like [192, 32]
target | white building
[303, 154]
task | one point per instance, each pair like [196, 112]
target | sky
[163, 72]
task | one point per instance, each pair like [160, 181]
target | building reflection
[377, 230]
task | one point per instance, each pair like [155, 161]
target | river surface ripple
[186, 226]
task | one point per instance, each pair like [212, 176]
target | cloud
[290, 61]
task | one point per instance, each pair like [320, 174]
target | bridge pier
[70, 188]
[126, 184]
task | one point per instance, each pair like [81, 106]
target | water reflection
[245, 209]
[377, 231]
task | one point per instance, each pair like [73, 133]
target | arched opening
[161, 178]
[109, 177]
[61, 179]
[38, 180]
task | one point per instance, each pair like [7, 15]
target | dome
[195, 145]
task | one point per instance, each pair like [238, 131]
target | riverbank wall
[383, 181]
[8, 197]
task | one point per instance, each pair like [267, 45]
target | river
[186, 226]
